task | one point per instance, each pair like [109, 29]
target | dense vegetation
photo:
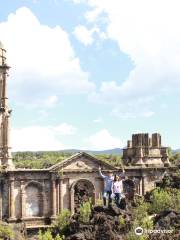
[38, 159]
[46, 159]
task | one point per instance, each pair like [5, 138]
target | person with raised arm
[108, 181]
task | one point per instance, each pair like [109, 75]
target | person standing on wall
[117, 189]
[108, 181]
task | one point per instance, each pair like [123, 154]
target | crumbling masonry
[36, 196]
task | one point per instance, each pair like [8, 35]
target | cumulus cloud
[84, 35]
[87, 36]
[65, 129]
[104, 140]
[42, 59]
[37, 138]
[148, 32]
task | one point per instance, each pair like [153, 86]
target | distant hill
[115, 151]
[108, 151]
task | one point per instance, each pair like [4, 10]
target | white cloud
[65, 129]
[42, 59]
[148, 32]
[85, 35]
[37, 138]
[94, 14]
[103, 140]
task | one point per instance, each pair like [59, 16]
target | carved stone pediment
[81, 161]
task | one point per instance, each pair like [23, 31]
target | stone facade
[36, 196]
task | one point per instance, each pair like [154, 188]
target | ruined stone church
[36, 196]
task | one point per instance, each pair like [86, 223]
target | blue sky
[87, 74]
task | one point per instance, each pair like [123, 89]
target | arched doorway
[82, 191]
[33, 200]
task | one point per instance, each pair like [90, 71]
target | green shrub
[63, 220]
[48, 236]
[140, 212]
[85, 212]
[175, 198]
[122, 222]
[162, 200]
[58, 237]
[5, 231]
[45, 236]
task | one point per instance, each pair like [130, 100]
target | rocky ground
[104, 225]
[168, 220]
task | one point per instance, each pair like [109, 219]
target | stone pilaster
[72, 200]
[11, 200]
[61, 195]
[23, 204]
[57, 197]
[53, 197]
[43, 200]
[142, 186]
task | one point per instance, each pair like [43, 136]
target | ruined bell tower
[146, 150]
[5, 112]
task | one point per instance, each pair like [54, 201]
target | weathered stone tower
[5, 150]
[145, 150]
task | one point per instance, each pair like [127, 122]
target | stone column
[57, 197]
[44, 207]
[142, 186]
[72, 200]
[11, 200]
[61, 195]
[23, 206]
[53, 197]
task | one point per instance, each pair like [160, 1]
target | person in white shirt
[117, 189]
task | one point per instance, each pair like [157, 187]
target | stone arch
[33, 199]
[85, 189]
